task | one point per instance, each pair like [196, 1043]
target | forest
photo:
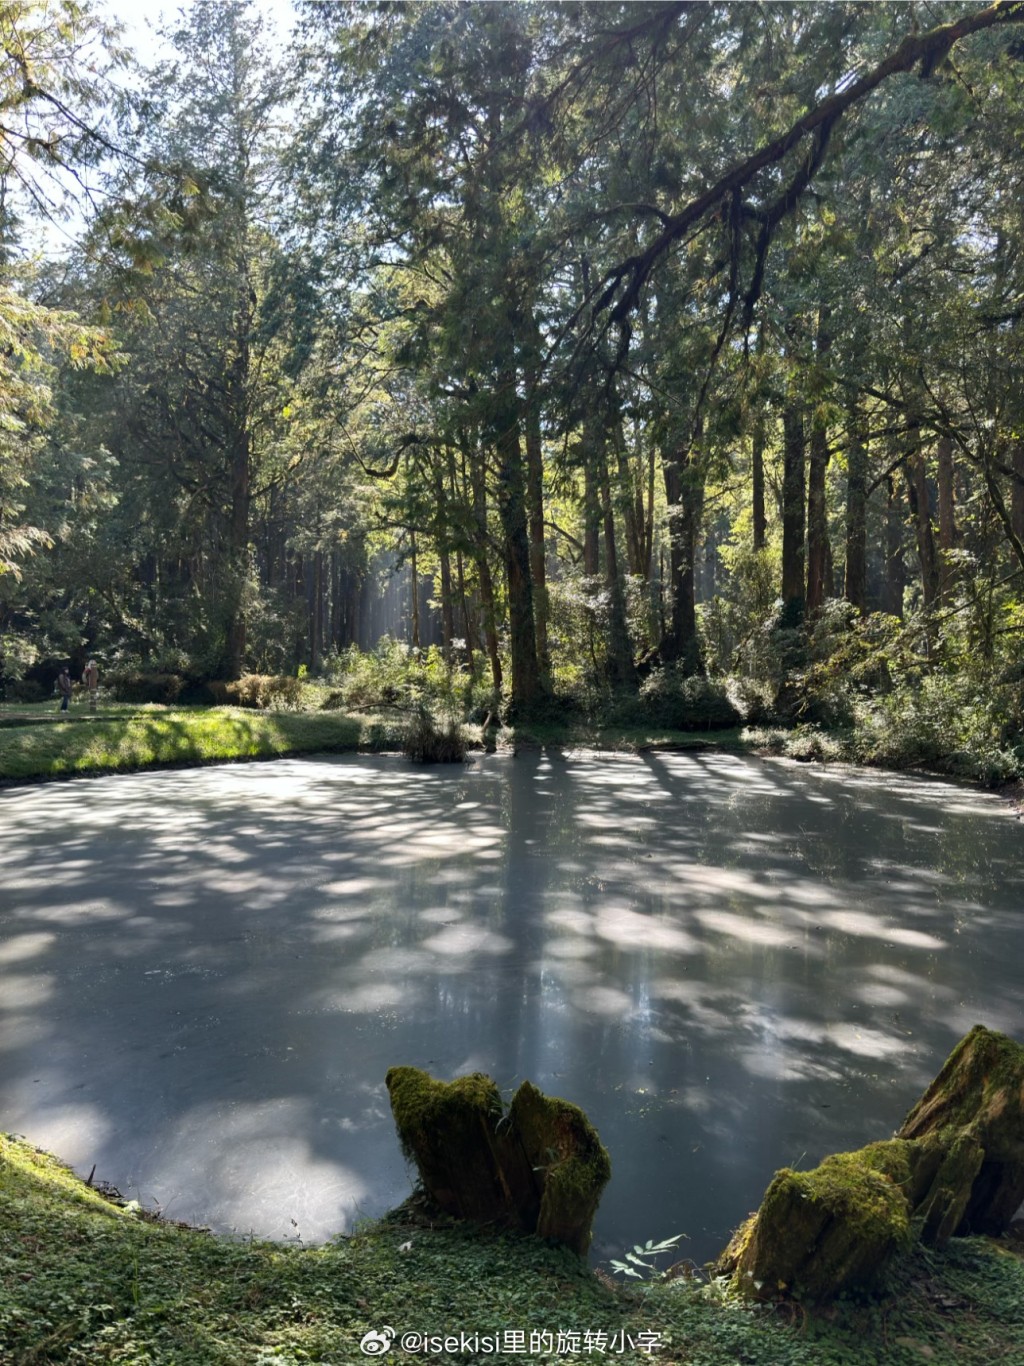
[643, 362]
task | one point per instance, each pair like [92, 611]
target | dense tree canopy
[605, 346]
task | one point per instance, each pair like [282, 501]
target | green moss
[563, 1145]
[542, 1170]
[449, 1130]
[421, 1104]
[26, 1171]
[820, 1233]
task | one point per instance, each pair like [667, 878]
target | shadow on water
[732, 965]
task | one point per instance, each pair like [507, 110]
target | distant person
[64, 687]
[91, 679]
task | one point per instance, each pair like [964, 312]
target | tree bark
[818, 555]
[855, 579]
[535, 505]
[1017, 491]
[527, 684]
[757, 480]
[793, 516]
[920, 508]
[414, 576]
[621, 670]
[895, 572]
[947, 515]
[684, 494]
[483, 566]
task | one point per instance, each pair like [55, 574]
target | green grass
[45, 744]
[83, 1281]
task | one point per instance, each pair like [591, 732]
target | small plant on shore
[431, 742]
[640, 1264]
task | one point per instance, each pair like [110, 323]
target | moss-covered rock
[539, 1168]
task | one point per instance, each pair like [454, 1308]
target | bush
[550, 709]
[145, 687]
[26, 690]
[430, 743]
[670, 698]
[261, 691]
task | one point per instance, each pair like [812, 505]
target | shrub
[260, 691]
[145, 687]
[26, 690]
[427, 742]
[333, 701]
[670, 698]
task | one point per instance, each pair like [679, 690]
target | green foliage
[671, 699]
[641, 1263]
[429, 741]
[152, 737]
[85, 1281]
[145, 687]
[259, 691]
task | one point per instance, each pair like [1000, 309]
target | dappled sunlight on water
[731, 964]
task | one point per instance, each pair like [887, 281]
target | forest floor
[84, 1280]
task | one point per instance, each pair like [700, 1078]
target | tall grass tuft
[432, 742]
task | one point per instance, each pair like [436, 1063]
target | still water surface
[731, 964]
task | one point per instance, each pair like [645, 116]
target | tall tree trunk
[535, 504]
[237, 553]
[621, 670]
[684, 494]
[757, 478]
[920, 507]
[592, 436]
[855, 586]
[414, 575]
[527, 685]
[895, 572]
[793, 515]
[317, 613]
[335, 600]
[444, 557]
[818, 550]
[467, 617]
[1017, 491]
[947, 515]
[630, 484]
[483, 568]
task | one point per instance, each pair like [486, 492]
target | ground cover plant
[119, 739]
[88, 1281]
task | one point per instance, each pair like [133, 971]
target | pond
[731, 964]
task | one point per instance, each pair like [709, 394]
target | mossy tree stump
[974, 1110]
[539, 1168]
[956, 1166]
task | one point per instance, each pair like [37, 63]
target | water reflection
[730, 964]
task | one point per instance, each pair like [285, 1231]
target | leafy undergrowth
[82, 1280]
[151, 737]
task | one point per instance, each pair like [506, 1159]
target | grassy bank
[82, 1280]
[37, 743]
